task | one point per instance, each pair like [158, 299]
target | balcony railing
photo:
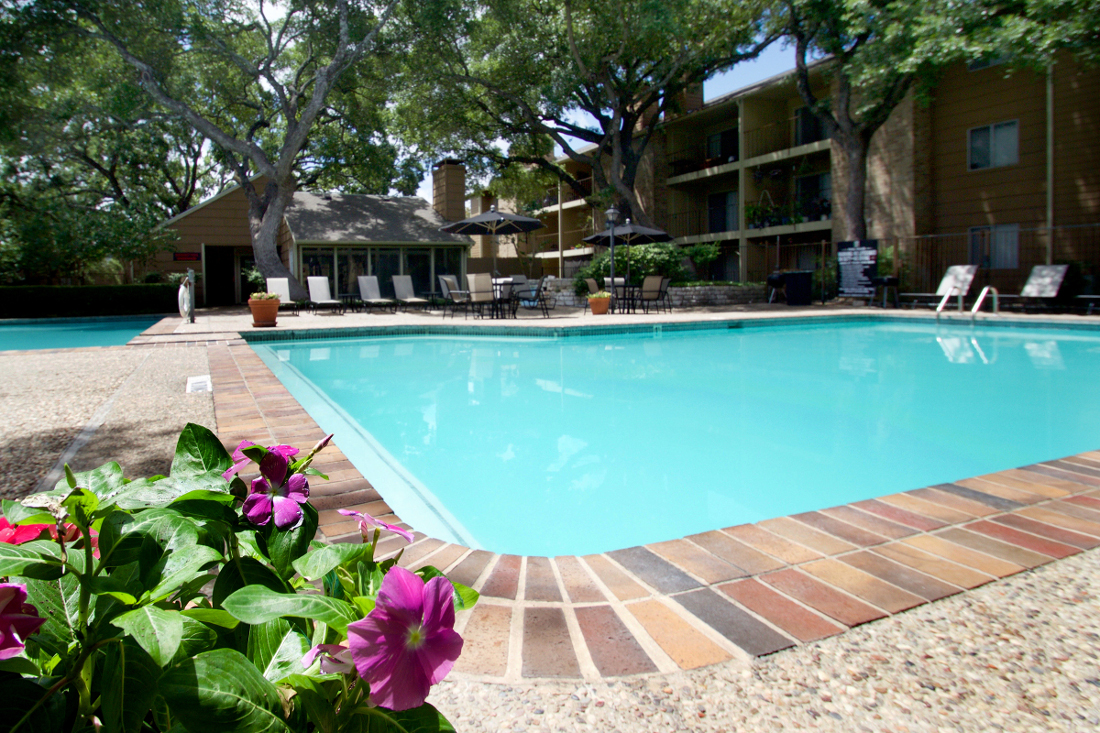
[698, 222]
[548, 241]
[792, 132]
[694, 158]
[567, 194]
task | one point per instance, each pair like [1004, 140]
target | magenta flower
[335, 659]
[17, 534]
[278, 500]
[240, 460]
[408, 642]
[367, 523]
[18, 619]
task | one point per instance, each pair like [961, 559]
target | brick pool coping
[733, 593]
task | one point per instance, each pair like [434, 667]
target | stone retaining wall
[705, 295]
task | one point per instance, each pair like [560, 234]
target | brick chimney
[449, 189]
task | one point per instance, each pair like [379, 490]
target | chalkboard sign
[856, 264]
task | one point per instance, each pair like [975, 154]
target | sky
[774, 60]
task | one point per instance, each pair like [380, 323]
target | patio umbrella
[494, 223]
[628, 234]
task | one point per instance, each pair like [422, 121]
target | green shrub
[662, 259]
[44, 301]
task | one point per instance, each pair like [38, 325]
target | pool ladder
[947, 298]
[981, 299]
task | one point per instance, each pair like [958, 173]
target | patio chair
[281, 287]
[535, 297]
[453, 297]
[651, 292]
[1041, 290]
[481, 292]
[370, 296]
[956, 281]
[321, 297]
[403, 291]
[592, 289]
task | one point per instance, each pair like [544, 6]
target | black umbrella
[494, 223]
[627, 234]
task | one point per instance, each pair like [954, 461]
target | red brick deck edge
[737, 592]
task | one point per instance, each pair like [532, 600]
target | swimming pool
[551, 446]
[71, 333]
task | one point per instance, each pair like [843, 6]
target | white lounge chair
[370, 296]
[1041, 289]
[956, 282]
[281, 287]
[403, 291]
[453, 297]
[321, 297]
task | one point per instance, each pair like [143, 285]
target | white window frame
[992, 142]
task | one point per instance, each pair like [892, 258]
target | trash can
[797, 285]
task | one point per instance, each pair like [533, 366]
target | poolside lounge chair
[453, 297]
[535, 297]
[1041, 289]
[370, 296]
[321, 297]
[281, 287]
[403, 291]
[956, 282]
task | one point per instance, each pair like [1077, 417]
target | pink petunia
[408, 642]
[281, 502]
[18, 619]
[335, 659]
[240, 460]
[17, 534]
[367, 523]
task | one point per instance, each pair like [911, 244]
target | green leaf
[277, 649]
[424, 719]
[14, 559]
[147, 494]
[197, 637]
[316, 564]
[57, 602]
[211, 616]
[16, 513]
[314, 472]
[198, 451]
[178, 567]
[81, 504]
[158, 631]
[255, 452]
[283, 548]
[105, 585]
[19, 665]
[311, 696]
[102, 481]
[19, 697]
[129, 686]
[237, 574]
[256, 604]
[220, 691]
[122, 535]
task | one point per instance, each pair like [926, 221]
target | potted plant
[599, 302]
[264, 307]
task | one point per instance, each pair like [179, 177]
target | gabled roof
[339, 218]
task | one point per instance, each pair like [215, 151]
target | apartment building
[996, 168]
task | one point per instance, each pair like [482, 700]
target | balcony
[694, 158]
[802, 129]
[567, 194]
[700, 222]
[548, 241]
[798, 210]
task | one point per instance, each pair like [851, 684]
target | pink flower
[367, 523]
[72, 534]
[408, 642]
[335, 659]
[18, 619]
[282, 501]
[240, 460]
[17, 534]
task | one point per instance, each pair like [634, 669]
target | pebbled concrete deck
[732, 593]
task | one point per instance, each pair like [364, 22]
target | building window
[814, 195]
[807, 127]
[996, 247]
[993, 146]
[722, 146]
[722, 212]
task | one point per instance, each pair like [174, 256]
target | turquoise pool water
[71, 333]
[586, 444]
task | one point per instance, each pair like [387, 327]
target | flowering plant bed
[199, 602]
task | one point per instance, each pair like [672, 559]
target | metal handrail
[946, 297]
[981, 298]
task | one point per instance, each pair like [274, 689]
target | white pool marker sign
[200, 384]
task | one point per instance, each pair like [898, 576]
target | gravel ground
[46, 399]
[1021, 654]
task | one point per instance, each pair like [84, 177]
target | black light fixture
[612, 215]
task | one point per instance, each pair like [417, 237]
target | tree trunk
[854, 150]
[265, 214]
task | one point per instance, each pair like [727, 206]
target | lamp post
[612, 214]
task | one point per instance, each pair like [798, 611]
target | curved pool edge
[728, 594]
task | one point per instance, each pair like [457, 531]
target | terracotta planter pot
[263, 312]
[599, 305]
